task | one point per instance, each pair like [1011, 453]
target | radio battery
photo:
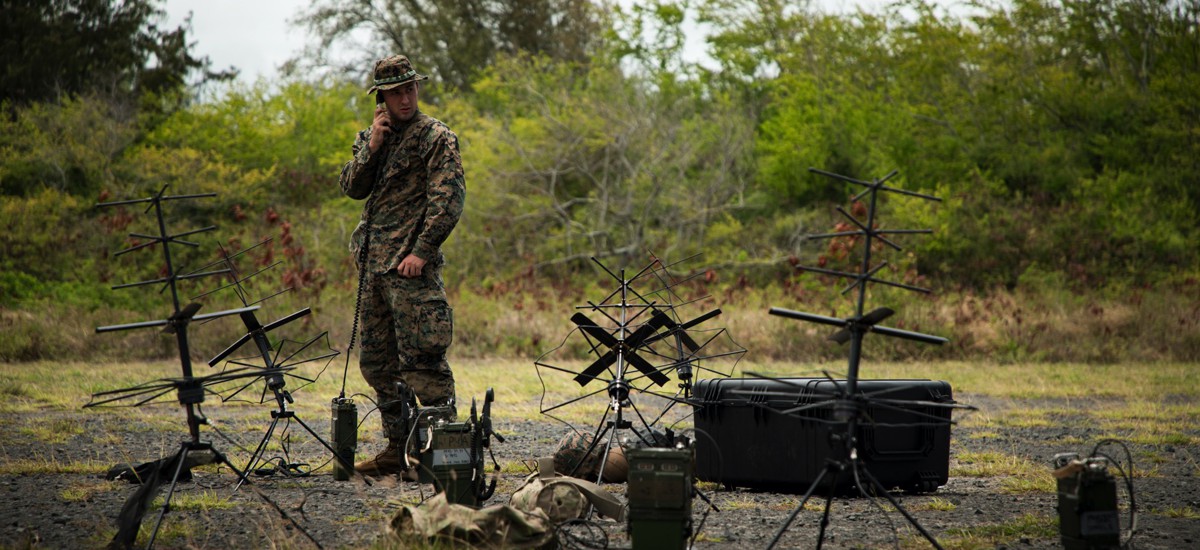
[1087, 503]
[344, 428]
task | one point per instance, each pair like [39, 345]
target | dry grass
[1125, 400]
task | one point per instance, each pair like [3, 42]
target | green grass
[52, 430]
[1044, 484]
[197, 501]
[84, 491]
[29, 466]
[1180, 512]
[519, 467]
[937, 504]
[994, 464]
[1138, 388]
[743, 503]
[1031, 526]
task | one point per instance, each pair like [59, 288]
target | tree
[569, 163]
[454, 40]
[57, 48]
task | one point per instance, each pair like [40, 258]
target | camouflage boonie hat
[393, 71]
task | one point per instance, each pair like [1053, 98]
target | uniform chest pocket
[435, 326]
[405, 163]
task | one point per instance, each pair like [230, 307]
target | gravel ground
[79, 510]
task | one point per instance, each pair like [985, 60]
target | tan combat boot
[389, 461]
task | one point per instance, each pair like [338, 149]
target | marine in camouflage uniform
[407, 165]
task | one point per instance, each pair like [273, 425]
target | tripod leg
[607, 448]
[808, 494]
[833, 484]
[220, 458]
[328, 447]
[603, 459]
[825, 515]
[181, 459]
[913, 521]
[258, 451]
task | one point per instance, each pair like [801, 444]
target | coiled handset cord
[362, 276]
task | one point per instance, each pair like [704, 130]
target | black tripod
[848, 406]
[637, 344]
[848, 409]
[191, 394]
[622, 352]
[274, 375]
[192, 452]
[189, 389]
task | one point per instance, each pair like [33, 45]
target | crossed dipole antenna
[271, 360]
[845, 407]
[638, 342]
[275, 360]
[189, 389]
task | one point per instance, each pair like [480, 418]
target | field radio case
[744, 439]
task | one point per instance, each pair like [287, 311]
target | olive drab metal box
[660, 497]
[449, 461]
[744, 438]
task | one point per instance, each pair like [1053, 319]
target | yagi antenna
[847, 407]
[189, 389]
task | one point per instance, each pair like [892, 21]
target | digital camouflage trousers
[407, 325]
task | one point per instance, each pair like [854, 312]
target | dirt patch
[79, 510]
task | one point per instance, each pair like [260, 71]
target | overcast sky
[255, 36]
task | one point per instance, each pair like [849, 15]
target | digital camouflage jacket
[416, 187]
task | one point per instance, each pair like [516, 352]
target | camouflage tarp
[496, 526]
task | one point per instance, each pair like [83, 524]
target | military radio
[1087, 503]
[344, 427]
[660, 496]
[451, 453]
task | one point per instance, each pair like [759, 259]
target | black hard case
[744, 441]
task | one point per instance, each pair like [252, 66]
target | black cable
[593, 538]
[362, 276]
[280, 465]
[374, 408]
[289, 469]
[1128, 477]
